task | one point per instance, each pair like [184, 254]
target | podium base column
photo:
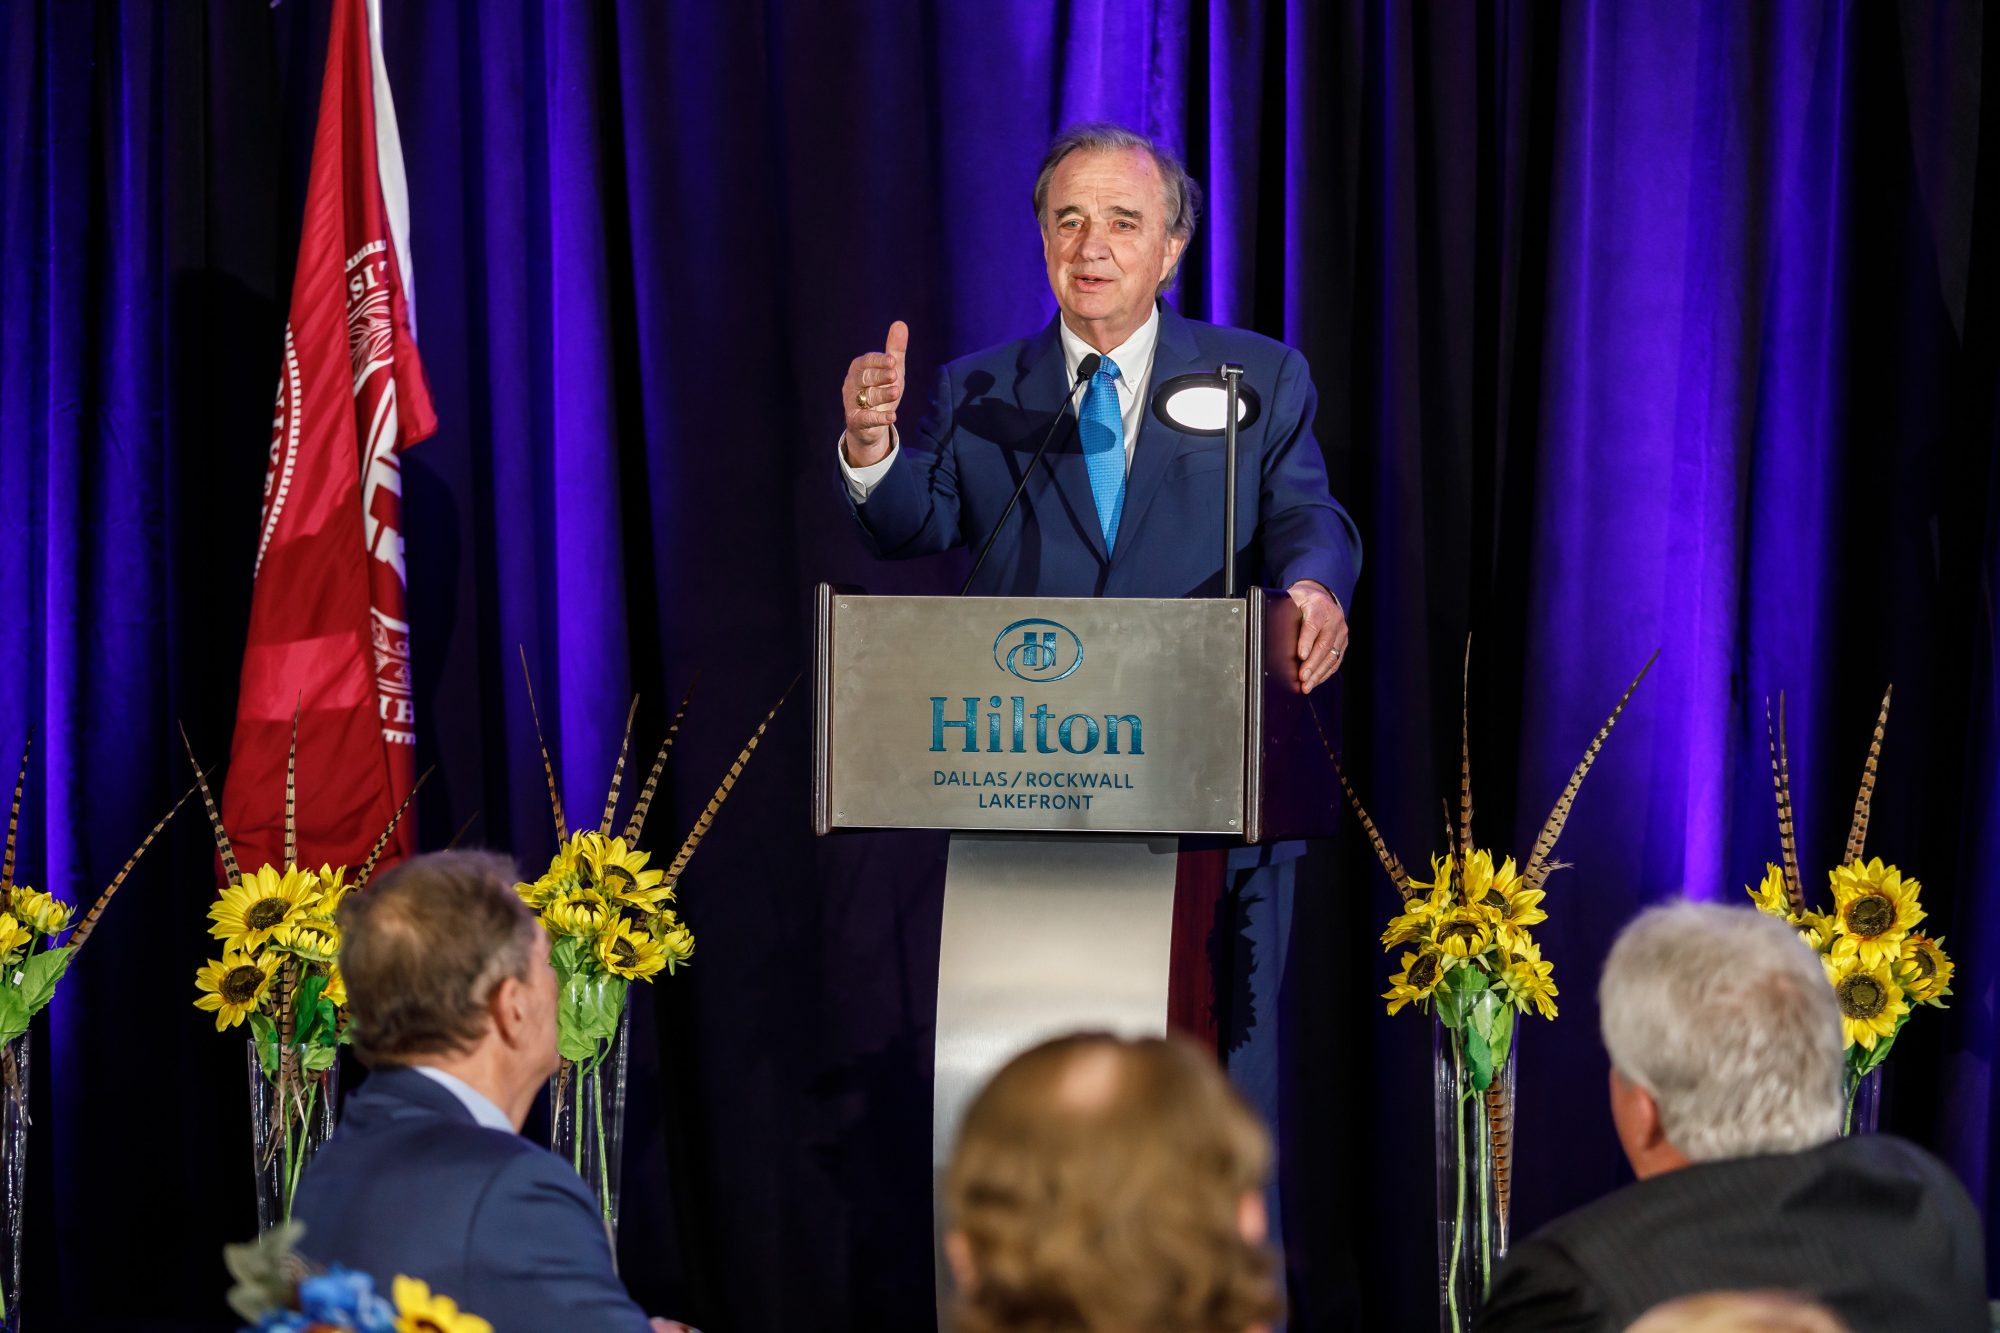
[1042, 935]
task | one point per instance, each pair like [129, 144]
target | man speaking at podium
[1123, 504]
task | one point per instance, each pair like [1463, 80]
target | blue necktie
[1102, 427]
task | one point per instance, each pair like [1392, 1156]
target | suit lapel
[1159, 444]
[1044, 378]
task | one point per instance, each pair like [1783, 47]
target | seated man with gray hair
[1726, 1066]
[452, 1006]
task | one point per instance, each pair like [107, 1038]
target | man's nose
[1094, 244]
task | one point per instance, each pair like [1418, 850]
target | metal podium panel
[1042, 936]
[1105, 715]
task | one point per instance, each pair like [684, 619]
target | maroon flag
[328, 631]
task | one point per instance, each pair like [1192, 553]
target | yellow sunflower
[311, 938]
[42, 913]
[1876, 908]
[580, 912]
[418, 1311]
[1770, 896]
[1818, 929]
[14, 938]
[1527, 980]
[336, 987]
[1422, 971]
[251, 910]
[621, 872]
[1870, 1000]
[1923, 971]
[1515, 906]
[629, 953]
[1466, 932]
[331, 881]
[674, 937]
[233, 986]
[1412, 925]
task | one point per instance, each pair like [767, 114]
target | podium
[1067, 743]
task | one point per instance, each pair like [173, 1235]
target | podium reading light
[1218, 404]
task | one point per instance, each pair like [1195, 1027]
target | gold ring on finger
[861, 399]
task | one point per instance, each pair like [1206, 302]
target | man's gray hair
[1725, 1016]
[1183, 195]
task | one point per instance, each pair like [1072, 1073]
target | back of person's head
[1740, 1312]
[1724, 1016]
[1106, 1184]
[423, 949]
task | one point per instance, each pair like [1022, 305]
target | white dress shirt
[484, 1111]
[1133, 357]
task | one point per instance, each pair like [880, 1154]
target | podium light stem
[1232, 380]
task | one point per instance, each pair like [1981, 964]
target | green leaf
[264, 1031]
[317, 1058]
[1478, 1060]
[14, 1015]
[306, 1010]
[1501, 1038]
[1457, 993]
[568, 957]
[39, 975]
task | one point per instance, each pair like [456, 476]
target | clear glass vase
[287, 1126]
[1475, 1167]
[14, 1068]
[1864, 1102]
[587, 1119]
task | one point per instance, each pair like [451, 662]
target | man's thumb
[899, 340]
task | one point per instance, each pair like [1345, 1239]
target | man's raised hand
[869, 395]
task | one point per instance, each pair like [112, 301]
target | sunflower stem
[603, 1165]
[1458, 1211]
[296, 1157]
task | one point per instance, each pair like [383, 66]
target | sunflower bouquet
[279, 974]
[40, 936]
[612, 920]
[1467, 954]
[1879, 964]
[276, 1292]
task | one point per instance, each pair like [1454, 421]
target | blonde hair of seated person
[1109, 1186]
[1740, 1312]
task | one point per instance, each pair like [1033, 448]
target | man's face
[1104, 238]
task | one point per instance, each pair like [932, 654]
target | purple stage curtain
[1636, 326]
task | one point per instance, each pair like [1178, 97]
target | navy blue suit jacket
[952, 478]
[410, 1183]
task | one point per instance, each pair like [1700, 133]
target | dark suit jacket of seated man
[1726, 1052]
[412, 1183]
[1873, 1227]
[452, 1006]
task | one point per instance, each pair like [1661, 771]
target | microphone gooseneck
[1084, 370]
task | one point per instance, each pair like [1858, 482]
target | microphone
[1084, 370]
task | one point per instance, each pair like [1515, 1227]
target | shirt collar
[474, 1101]
[1133, 357]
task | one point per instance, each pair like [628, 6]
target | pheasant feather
[700, 829]
[1857, 833]
[13, 827]
[230, 869]
[618, 770]
[1539, 866]
[1781, 782]
[645, 802]
[89, 922]
[548, 769]
[375, 852]
[1397, 874]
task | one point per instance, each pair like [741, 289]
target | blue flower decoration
[345, 1299]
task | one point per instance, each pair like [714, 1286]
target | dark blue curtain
[1635, 325]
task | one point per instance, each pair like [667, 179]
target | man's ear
[507, 1009]
[958, 1253]
[1253, 1222]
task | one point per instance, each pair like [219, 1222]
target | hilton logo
[1038, 651]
